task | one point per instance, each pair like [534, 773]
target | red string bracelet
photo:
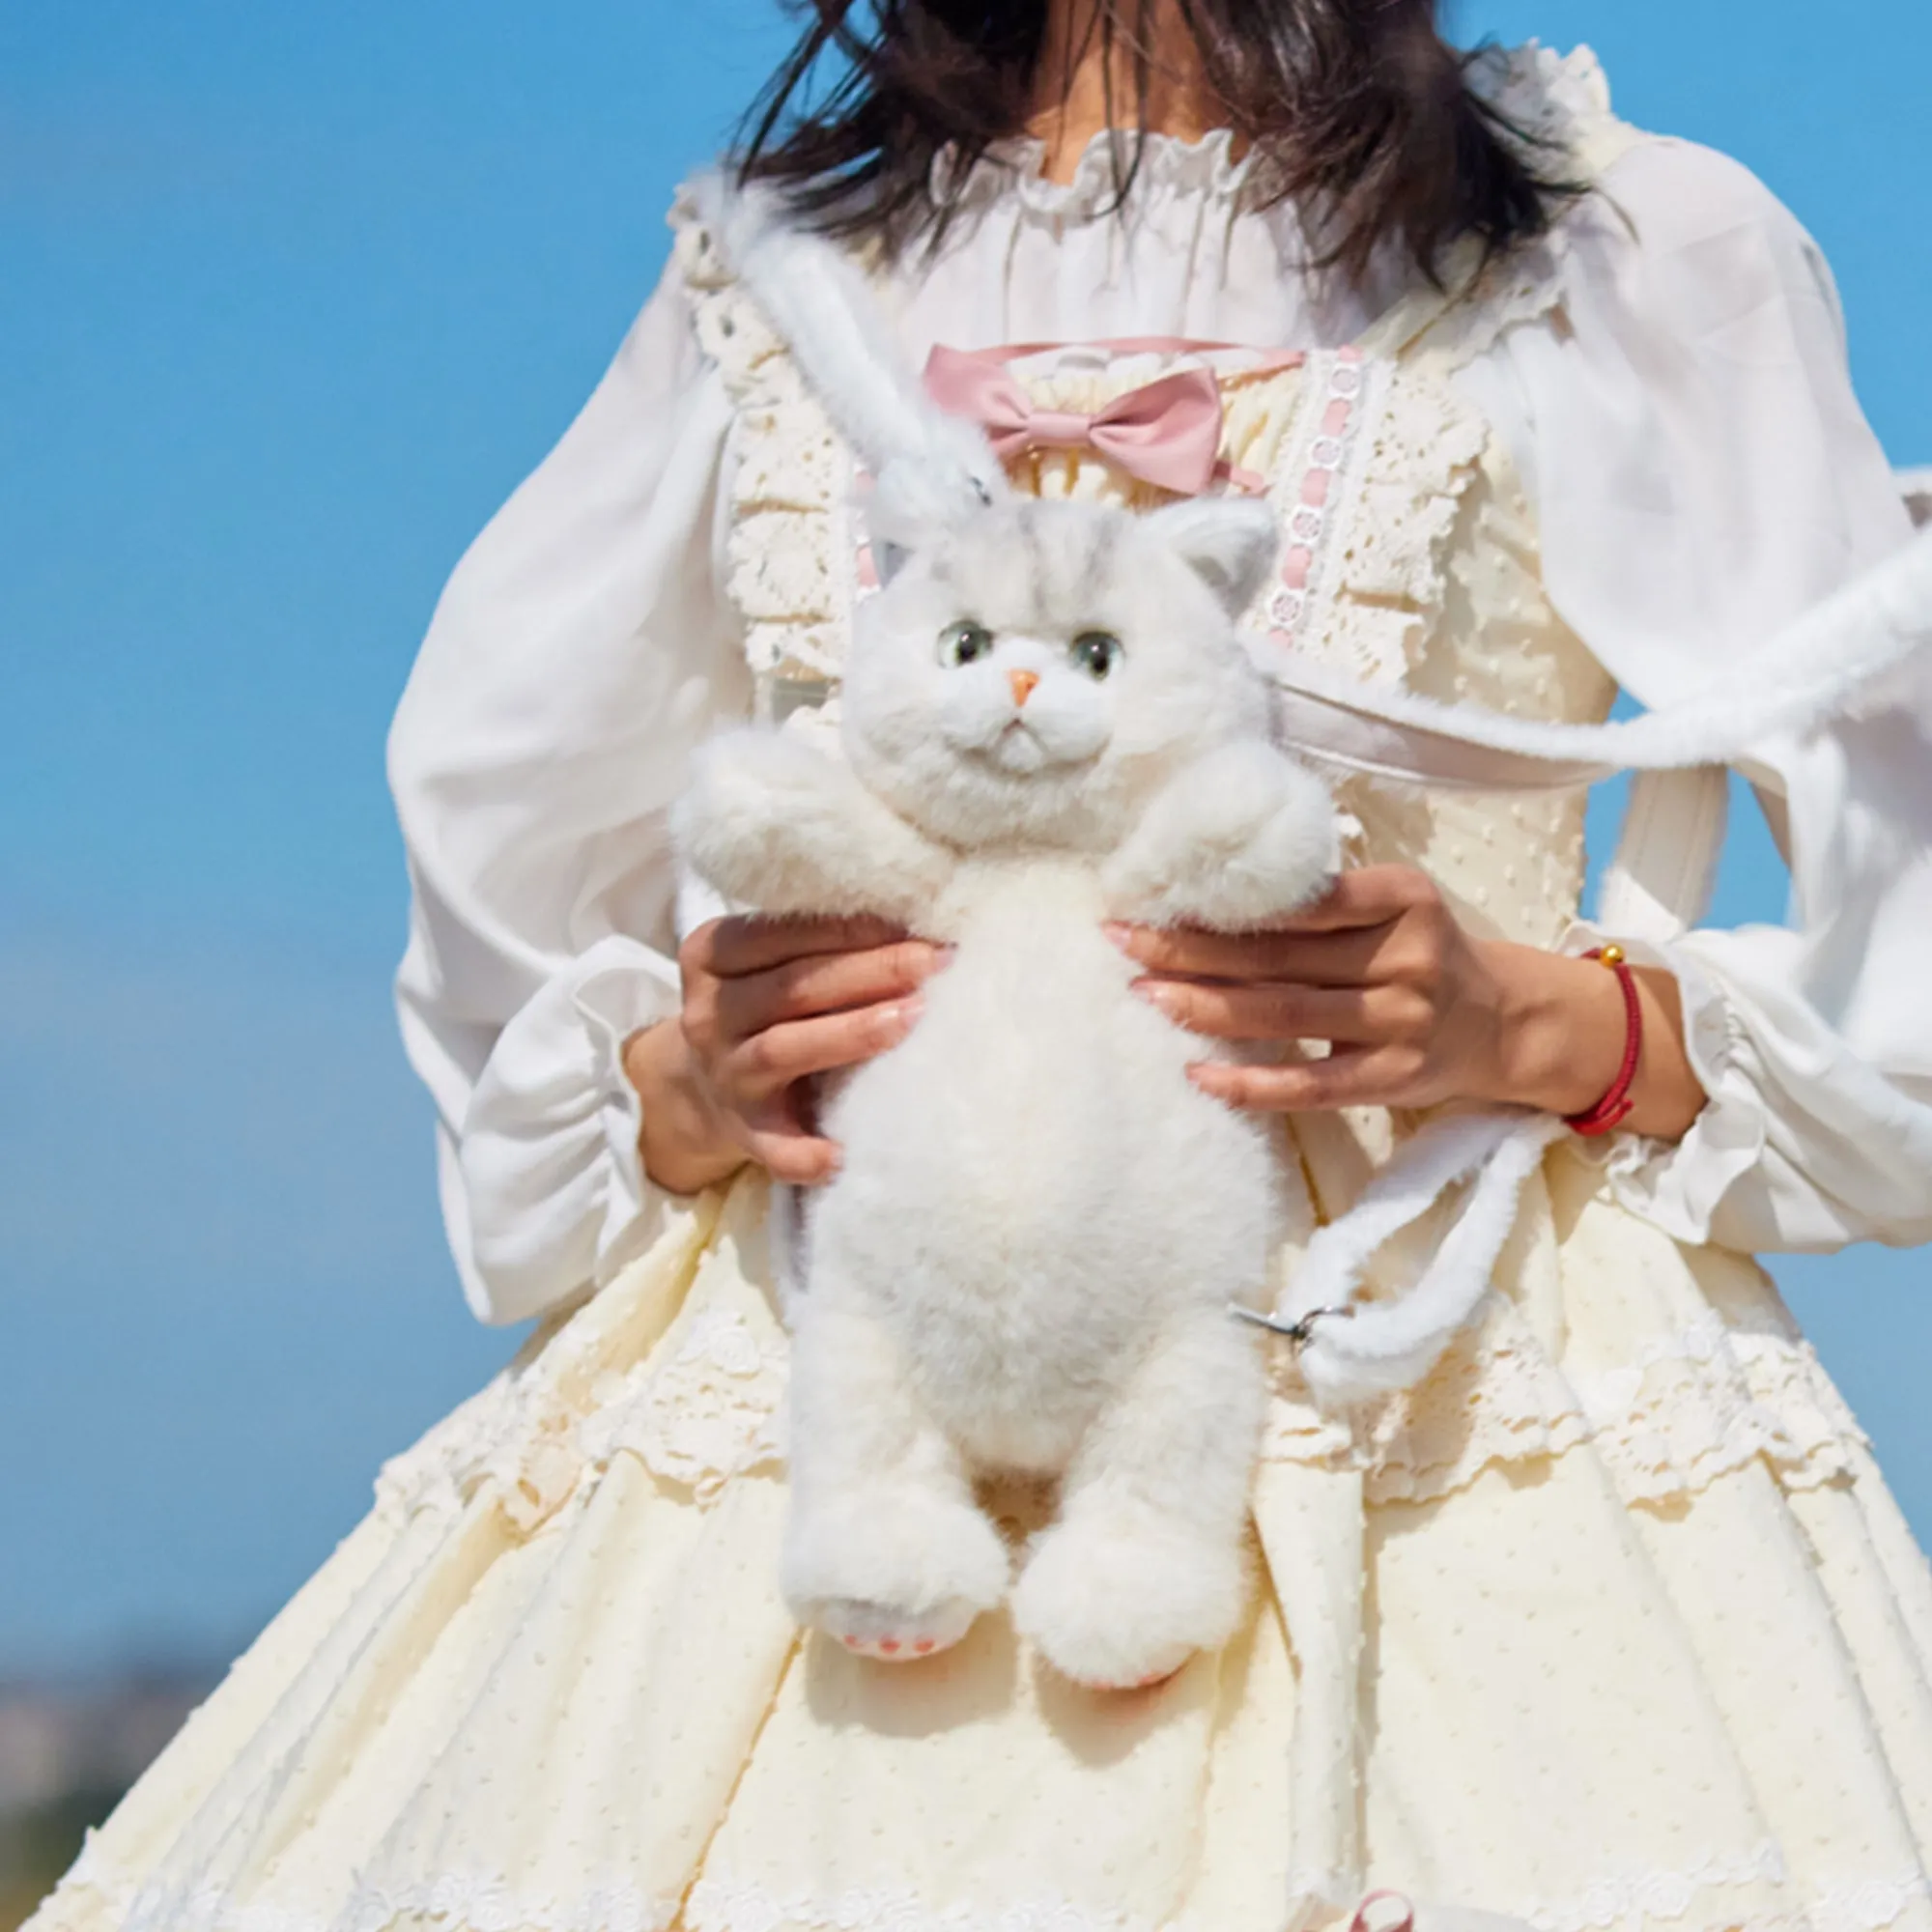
[1616, 1107]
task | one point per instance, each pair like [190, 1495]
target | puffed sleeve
[580, 651]
[1703, 474]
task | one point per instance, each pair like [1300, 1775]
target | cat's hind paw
[895, 1572]
[1120, 1605]
[893, 1634]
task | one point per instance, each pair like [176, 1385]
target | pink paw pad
[893, 1634]
[893, 1649]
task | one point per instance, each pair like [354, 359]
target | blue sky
[290, 298]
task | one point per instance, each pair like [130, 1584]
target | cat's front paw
[1119, 1599]
[892, 1572]
[1246, 837]
[778, 826]
[751, 795]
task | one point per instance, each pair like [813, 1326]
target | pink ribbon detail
[1167, 432]
[1366, 1919]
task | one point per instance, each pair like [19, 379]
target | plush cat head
[1033, 672]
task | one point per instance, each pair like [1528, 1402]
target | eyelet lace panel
[1370, 486]
[787, 573]
[1366, 479]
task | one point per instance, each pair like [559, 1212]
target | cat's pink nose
[1023, 683]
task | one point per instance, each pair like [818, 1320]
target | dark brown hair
[1357, 110]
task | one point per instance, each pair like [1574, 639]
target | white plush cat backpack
[1051, 719]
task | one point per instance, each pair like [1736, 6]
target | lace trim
[1847, 1905]
[1868, 1905]
[1493, 1399]
[1370, 486]
[1165, 164]
[1635, 1897]
[1694, 1406]
[705, 1415]
[1312, 483]
[1710, 1400]
[788, 571]
[1558, 101]
[718, 1906]
[484, 1902]
[462, 1901]
[1563, 103]
[706, 1406]
[1368, 481]
[679, 1361]
[698, 1416]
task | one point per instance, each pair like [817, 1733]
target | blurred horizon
[294, 297]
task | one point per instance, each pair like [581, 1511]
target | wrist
[1562, 1029]
[682, 1141]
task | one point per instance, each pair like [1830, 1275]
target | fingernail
[1157, 992]
[904, 1013]
[1119, 932]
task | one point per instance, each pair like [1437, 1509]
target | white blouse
[1701, 472]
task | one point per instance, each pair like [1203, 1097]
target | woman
[1611, 1621]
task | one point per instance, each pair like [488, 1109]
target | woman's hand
[768, 1003]
[1416, 1011]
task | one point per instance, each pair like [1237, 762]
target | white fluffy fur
[1392, 1345]
[1861, 650]
[930, 467]
[1025, 1262]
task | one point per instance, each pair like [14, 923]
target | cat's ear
[1229, 542]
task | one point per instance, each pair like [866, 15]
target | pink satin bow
[1167, 432]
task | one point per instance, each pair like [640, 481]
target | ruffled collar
[1169, 168]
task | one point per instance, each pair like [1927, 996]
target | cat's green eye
[1097, 652]
[964, 642]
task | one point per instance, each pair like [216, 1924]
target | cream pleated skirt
[1611, 1625]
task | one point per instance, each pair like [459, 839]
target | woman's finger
[1383, 1076]
[1332, 942]
[1366, 895]
[771, 1061]
[1267, 1012]
[829, 983]
[792, 1155]
[1345, 958]
[730, 948]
